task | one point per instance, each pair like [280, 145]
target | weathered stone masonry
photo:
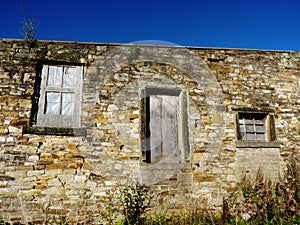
[64, 171]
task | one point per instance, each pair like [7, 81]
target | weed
[29, 26]
[130, 201]
[267, 202]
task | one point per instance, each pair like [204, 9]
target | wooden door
[164, 128]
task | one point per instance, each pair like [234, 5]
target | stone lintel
[58, 131]
[257, 144]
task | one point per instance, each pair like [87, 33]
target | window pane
[251, 121]
[254, 126]
[259, 128]
[52, 103]
[250, 136]
[260, 136]
[250, 128]
[243, 136]
[261, 122]
[54, 76]
[242, 128]
[69, 78]
[67, 103]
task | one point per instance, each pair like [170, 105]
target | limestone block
[53, 191]
[35, 173]
[53, 172]
[54, 182]
[33, 158]
[3, 129]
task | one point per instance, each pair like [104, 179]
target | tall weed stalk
[265, 201]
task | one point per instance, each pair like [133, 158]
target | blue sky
[255, 24]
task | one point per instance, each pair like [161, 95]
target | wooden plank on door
[164, 128]
[155, 127]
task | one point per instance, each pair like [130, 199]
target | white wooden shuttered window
[60, 95]
[166, 129]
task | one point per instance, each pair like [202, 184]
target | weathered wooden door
[164, 128]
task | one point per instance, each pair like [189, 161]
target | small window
[59, 96]
[164, 126]
[252, 126]
[255, 126]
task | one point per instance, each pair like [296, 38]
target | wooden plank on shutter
[170, 148]
[156, 127]
[272, 128]
[237, 125]
[184, 129]
[76, 121]
[145, 129]
[164, 128]
[41, 104]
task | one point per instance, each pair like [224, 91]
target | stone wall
[52, 172]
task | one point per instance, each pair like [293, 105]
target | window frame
[254, 125]
[267, 117]
[35, 127]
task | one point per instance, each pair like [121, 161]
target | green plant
[110, 210]
[16, 223]
[62, 222]
[267, 202]
[135, 199]
[129, 201]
